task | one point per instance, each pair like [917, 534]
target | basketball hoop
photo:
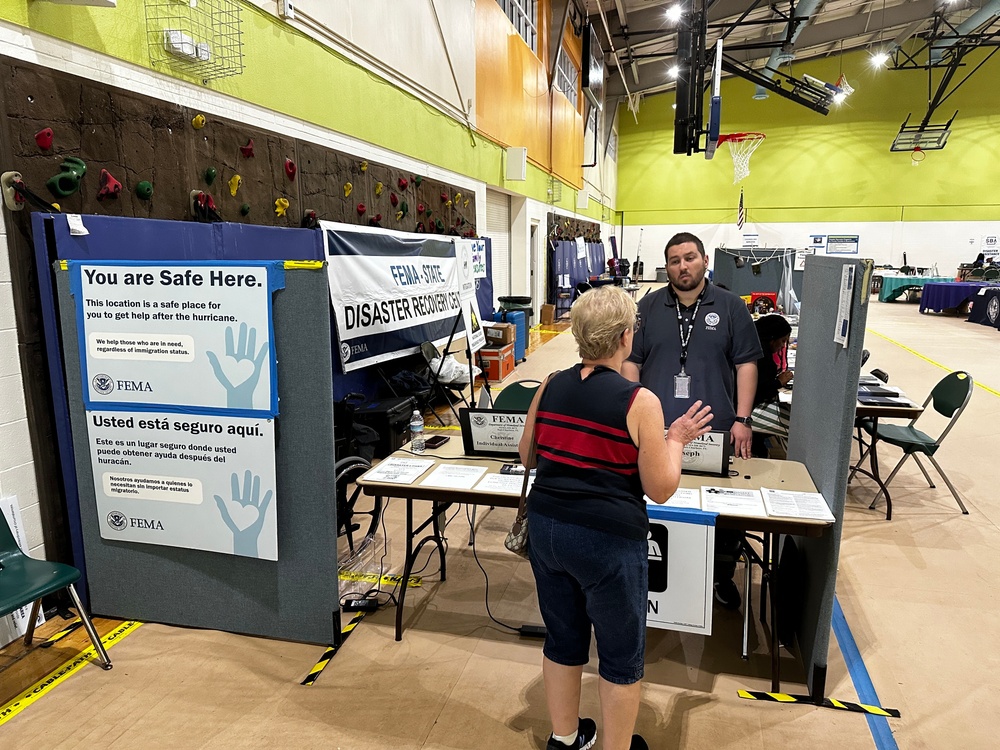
[741, 147]
[917, 156]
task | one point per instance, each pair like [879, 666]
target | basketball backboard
[715, 108]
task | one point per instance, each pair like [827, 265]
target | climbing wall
[129, 144]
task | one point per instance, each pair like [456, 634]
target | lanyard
[686, 336]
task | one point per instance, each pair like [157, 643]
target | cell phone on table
[436, 441]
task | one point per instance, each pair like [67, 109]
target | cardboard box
[548, 315]
[497, 361]
[500, 334]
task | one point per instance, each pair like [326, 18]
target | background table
[938, 296]
[894, 286]
[981, 305]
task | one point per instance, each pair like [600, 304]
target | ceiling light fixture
[674, 13]
[673, 71]
[879, 59]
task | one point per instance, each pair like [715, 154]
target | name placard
[709, 454]
[489, 432]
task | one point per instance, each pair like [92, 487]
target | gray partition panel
[826, 379]
[294, 598]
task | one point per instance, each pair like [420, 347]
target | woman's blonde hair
[599, 318]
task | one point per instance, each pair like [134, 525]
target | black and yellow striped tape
[56, 637]
[387, 580]
[861, 708]
[331, 651]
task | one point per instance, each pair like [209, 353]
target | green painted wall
[816, 168]
[291, 73]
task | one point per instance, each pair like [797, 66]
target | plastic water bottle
[416, 432]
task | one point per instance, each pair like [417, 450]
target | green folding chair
[517, 396]
[977, 273]
[24, 580]
[991, 274]
[950, 397]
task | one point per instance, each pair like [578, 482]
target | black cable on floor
[468, 515]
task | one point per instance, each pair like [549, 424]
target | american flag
[741, 215]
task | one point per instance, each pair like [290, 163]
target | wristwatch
[748, 421]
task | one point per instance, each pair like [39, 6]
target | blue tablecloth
[894, 286]
[938, 296]
[986, 308]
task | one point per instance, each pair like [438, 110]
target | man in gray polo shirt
[692, 338]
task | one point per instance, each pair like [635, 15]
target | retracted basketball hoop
[741, 148]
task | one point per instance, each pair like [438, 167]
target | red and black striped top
[588, 470]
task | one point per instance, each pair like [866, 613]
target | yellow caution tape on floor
[928, 360]
[387, 580]
[54, 678]
[331, 651]
[861, 708]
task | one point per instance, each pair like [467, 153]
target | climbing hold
[417, 180]
[428, 212]
[234, 184]
[364, 166]
[447, 203]
[144, 190]
[394, 199]
[348, 189]
[247, 150]
[403, 183]
[281, 206]
[202, 206]
[378, 217]
[421, 208]
[44, 139]
[56, 206]
[210, 174]
[245, 209]
[67, 181]
[439, 226]
[466, 203]
[361, 209]
[379, 187]
[420, 227]
[458, 197]
[444, 196]
[198, 121]
[290, 169]
[399, 216]
[309, 219]
[404, 208]
[11, 198]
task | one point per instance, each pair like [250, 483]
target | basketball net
[741, 148]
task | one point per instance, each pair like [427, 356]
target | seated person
[770, 418]
[979, 261]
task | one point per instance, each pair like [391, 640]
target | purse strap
[532, 451]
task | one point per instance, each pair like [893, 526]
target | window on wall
[567, 76]
[524, 15]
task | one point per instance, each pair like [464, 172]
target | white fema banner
[391, 291]
[195, 481]
[177, 336]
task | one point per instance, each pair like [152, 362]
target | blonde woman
[600, 446]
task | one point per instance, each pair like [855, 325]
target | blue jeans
[585, 578]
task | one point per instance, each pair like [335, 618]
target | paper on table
[506, 484]
[784, 397]
[454, 476]
[787, 504]
[683, 498]
[399, 470]
[729, 501]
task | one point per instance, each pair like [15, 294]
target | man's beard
[692, 282]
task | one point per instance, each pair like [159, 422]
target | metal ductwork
[981, 17]
[806, 10]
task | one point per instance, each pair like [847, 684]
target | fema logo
[478, 420]
[103, 384]
[689, 457]
[345, 352]
[993, 309]
[712, 319]
[117, 521]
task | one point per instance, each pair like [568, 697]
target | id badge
[682, 386]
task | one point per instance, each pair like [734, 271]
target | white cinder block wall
[17, 467]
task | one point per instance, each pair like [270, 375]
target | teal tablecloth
[894, 286]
